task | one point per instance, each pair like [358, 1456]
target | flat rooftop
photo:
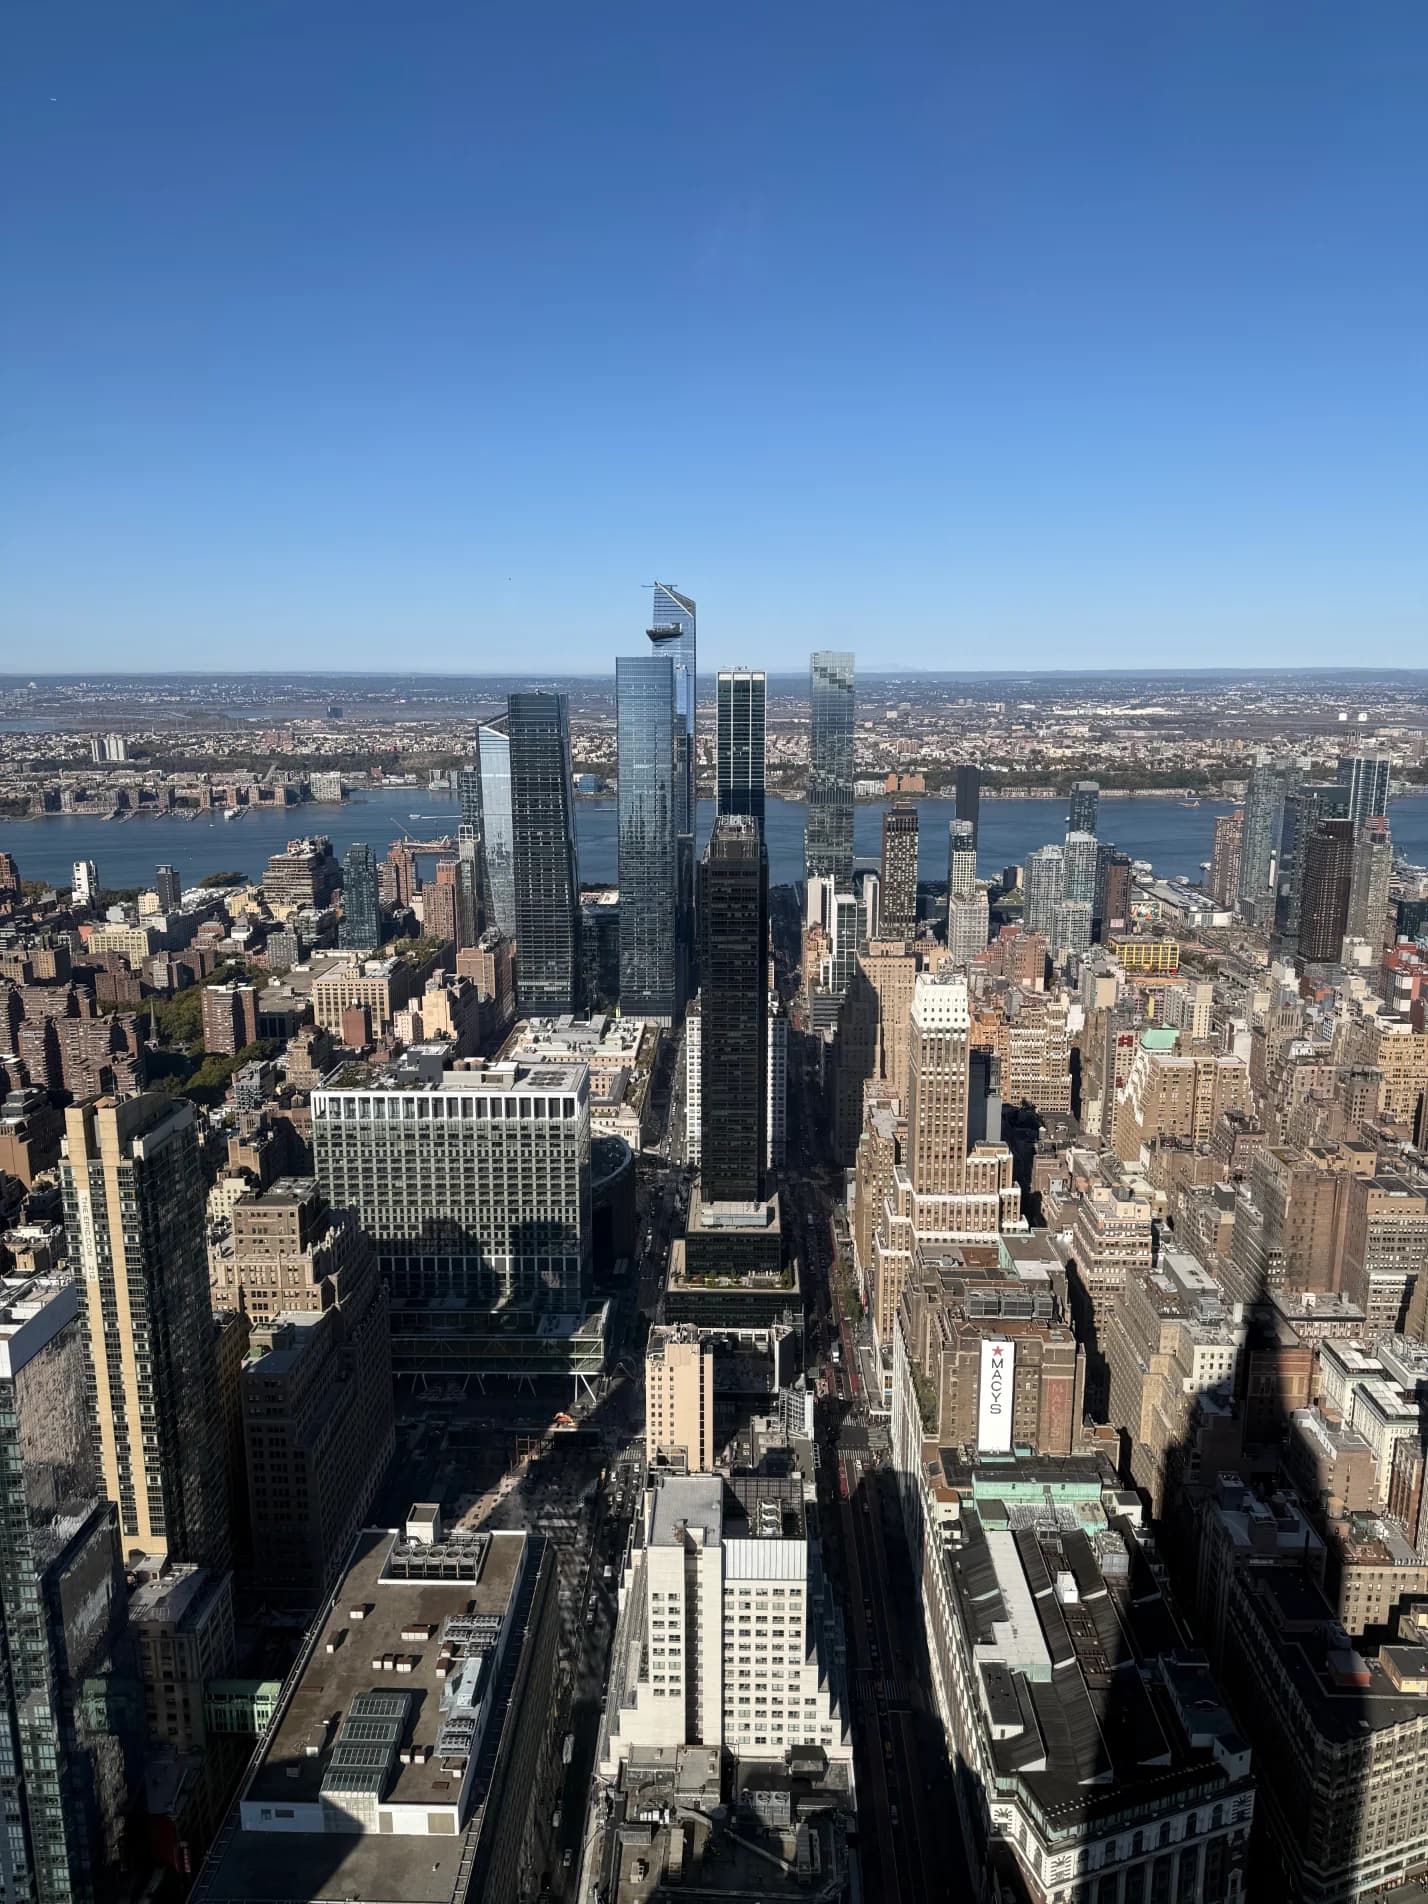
[376, 1868]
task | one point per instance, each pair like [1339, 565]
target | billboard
[994, 1398]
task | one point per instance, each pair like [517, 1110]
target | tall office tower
[1328, 862]
[828, 841]
[672, 630]
[474, 1185]
[547, 890]
[1085, 800]
[1368, 888]
[1307, 804]
[938, 1073]
[1044, 880]
[1264, 825]
[969, 799]
[361, 928]
[897, 903]
[1226, 856]
[733, 924]
[134, 1219]
[496, 828]
[1366, 777]
[317, 1385]
[84, 882]
[961, 859]
[645, 727]
[168, 888]
[740, 736]
[777, 1109]
[1111, 910]
[679, 1398]
[1080, 860]
[693, 1079]
[63, 1772]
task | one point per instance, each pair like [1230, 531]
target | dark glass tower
[828, 842]
[547, 892]
[742, 693]
[733, 917]
[361, 927]
[969, 799]
[495, 828]
[1085, 800]
[1264, 825]
[1328, 861]
[645, 729]
[1307, 805]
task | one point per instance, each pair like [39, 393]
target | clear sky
[979, 333]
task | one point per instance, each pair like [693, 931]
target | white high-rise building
[84, 884]
[693, 1074]
[777, 1146]
[721, 1636]
[968, 923]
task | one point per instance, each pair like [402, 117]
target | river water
[1174, 838]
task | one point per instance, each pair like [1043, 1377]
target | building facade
[740, 741]
[828, 840]
[645, 734]
[547, 888]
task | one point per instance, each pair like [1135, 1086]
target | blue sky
[346, 333]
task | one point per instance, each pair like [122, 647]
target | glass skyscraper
[496, 828]
[969, 799]
[361, 928]
[1085, 799]
[547, 889]
[64, 1769]
[645, 732]
[733, 919]
[742, 695]
[828, 842]
[1366, 777]
[672, 630]
[1264, 822]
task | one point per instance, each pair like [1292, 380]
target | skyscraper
[961, 860]
[1044, 880]
[897, 903]
[740, 738]
[1366, 777]
[84, 883]
[468, 797]
[733, 920]
[1368, 888]
[361, 928]
[496, 827]
[1264, 823]
[1080, 857]
[645, 733]
[969, 799]
[547, 890]
[1085, 800]
[1328, 866]
[1113, 890]
[63, 1772]
[168, 888]
[672, 630]
[939, 1068]
[134, 1217]
[1307, 804]
[1226, 856]
[828, 841]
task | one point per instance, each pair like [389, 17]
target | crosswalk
[872, 1689]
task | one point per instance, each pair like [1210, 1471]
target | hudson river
[1174, 838]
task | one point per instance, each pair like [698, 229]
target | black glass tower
[546, 888]
[672, 629]
[1085, 802]
[645, 730]
[361, 927]
[828, 841]
[969, 799]
[733, 917]
[740, 737]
